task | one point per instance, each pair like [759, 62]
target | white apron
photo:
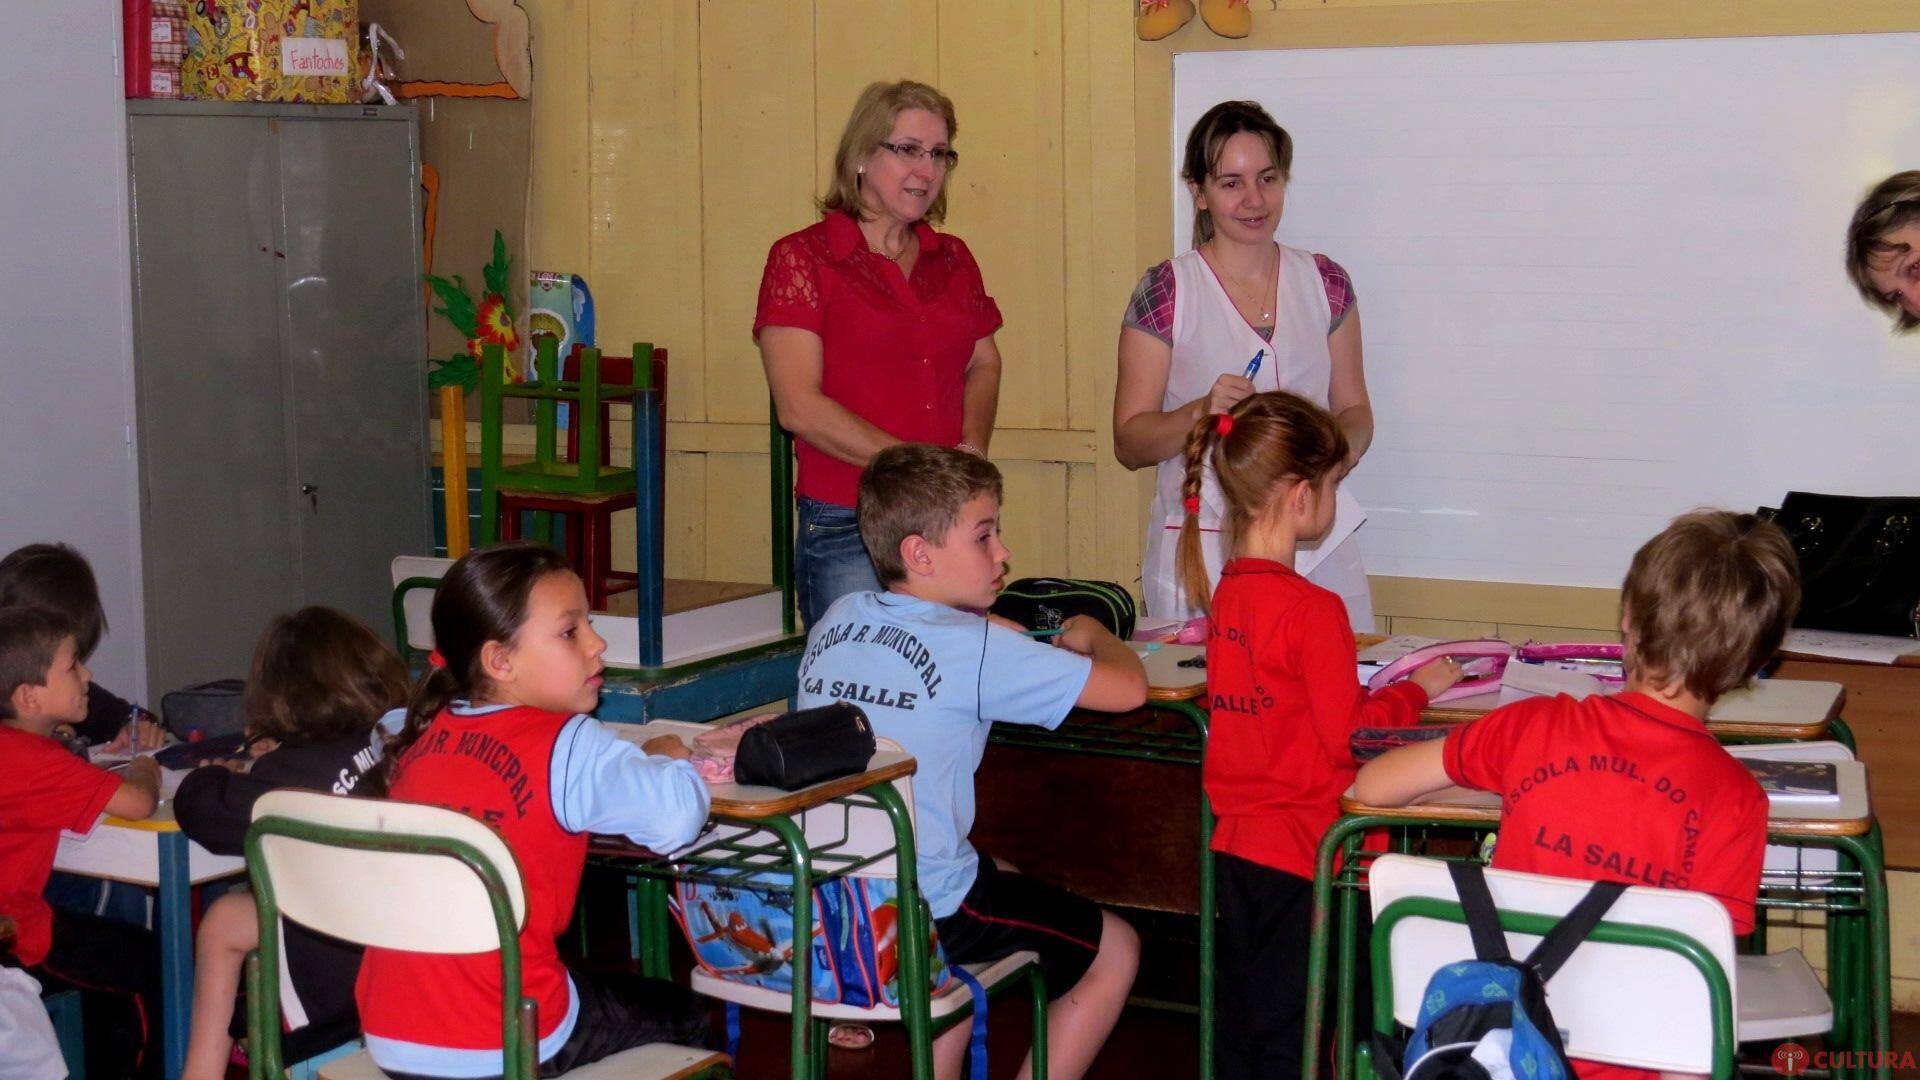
[1210, 339]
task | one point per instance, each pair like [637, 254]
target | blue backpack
[1487, 1018]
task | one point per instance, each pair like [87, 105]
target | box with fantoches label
[272, 50]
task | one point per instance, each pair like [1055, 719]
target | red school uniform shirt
[43, 789]
[894, 350]
[1285, 698]
[1618, 788]
[492, 765]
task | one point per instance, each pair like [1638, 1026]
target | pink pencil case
[1604, 660]
[1484, 661]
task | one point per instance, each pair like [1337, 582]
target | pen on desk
[1253, 365]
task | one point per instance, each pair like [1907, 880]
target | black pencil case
[806, 747]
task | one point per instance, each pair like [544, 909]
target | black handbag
[1859, 561]
[206, 710]
[1046, 603]
[806, 747]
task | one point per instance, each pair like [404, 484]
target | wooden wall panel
[1001, 65]
[1035, 498]
[756, 179]
[738, 540]
[644, 168]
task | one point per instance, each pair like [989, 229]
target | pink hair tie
[434, 659]
[1193, 504]
[1224, 424]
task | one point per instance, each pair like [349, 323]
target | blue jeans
[829, 559]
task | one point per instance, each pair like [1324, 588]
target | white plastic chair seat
[945, 1003]
[654, 1061]
[1780, 998]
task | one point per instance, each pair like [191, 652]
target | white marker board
[1601, 283]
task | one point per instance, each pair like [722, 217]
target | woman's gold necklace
[1259, 302]
[877, 250]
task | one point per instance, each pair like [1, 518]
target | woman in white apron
[1193, 328]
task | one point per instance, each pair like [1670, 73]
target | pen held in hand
[1253, 365]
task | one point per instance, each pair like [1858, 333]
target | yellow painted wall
[676, 139]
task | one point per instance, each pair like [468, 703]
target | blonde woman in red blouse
[874, 328]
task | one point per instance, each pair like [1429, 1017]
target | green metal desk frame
[748, 860]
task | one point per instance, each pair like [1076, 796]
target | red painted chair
[589, 493]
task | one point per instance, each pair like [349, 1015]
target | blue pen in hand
[1253, 365]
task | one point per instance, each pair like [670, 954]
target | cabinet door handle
[312, 492]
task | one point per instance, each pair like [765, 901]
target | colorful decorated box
[272, 50]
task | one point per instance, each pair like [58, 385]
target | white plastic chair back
[394, 900]
[1805, 865]
[1620, 1004]
[418, 603]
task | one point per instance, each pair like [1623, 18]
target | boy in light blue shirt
[933, 674]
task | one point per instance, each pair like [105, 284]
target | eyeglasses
[914, 152]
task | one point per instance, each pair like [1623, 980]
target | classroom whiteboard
[1601, 282]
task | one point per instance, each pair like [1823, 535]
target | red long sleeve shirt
[1285, 698]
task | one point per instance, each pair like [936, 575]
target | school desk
[1773, 710]
[803, 849]
[1858, 962]
[1170, 729]
[155, 854]
[1883, 707]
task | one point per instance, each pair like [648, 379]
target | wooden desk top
[748, 802]
[686, 594]
[1768, 709]
[1883, 708]
[1849, 815]
[1166, 679]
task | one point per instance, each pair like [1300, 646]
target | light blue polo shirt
[934, 679]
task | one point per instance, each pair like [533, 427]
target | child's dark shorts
[1005, 912]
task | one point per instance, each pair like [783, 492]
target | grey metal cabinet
[280, 369]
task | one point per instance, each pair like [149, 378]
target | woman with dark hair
[1193, 328]
[874, 328]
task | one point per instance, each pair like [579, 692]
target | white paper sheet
[1870, 648]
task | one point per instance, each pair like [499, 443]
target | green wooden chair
[585, 489]
[407, 876]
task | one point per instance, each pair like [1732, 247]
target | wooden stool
[589, 545]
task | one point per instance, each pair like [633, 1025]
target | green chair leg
[1037, 987]
[817, 1047]
[63, 1009]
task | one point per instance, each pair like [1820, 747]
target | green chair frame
[547, 473]
[1855, 902]
[1719, 993]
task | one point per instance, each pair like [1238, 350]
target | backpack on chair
[1487, 1018]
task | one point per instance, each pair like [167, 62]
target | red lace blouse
[895, 349]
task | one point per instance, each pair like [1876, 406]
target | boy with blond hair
[1631, 787]
[934, 674]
